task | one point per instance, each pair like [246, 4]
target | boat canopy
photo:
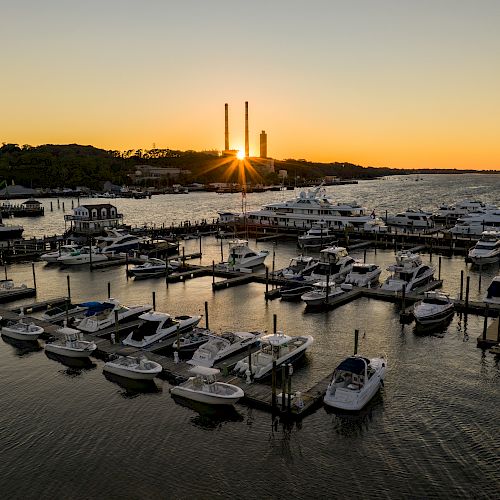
[494, 288]
[354, 365]
[204, 371]
[95, 307]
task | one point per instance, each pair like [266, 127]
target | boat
[411, 218]
[204, 388]
[8, 285]
[150, 268]
[71, 345]
[55, 314]
[220, 347]
[294, 291]
[321, 294]
[363, 275]
[51, 257]
[10, 232]
[136, 368]
[190, 341]
[475, 223]
[493, 292]
[278, 347]
[318, 236]
[101, 315]
[21, 330]
[375, 225]
[158, 326]
[118, 240]
[447, 213]
[298, 268]
[241, 256]
[354, 383]
[487, 249]
[435, 307]
[83, 255]
[335, 263]
[408, 272]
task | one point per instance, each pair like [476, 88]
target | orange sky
[388, 83]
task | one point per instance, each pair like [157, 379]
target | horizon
[393, 85]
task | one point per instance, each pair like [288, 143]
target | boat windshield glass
[436, 301]
[494, 289]
[146, 329]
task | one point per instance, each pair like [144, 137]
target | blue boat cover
[354, 365]
[96, 307]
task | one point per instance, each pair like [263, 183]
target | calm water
[433, 432]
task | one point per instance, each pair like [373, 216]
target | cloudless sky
[400, 83]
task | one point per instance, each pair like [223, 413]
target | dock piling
[267, 283]
[206, 314]
[34, 275]
[154, 300]
[283, 387]
[275, 324]
[290, 372]
[68, 283]
[213, 272]
[485, 324]
[5, 269]
[467, 287]
[117, 329]
[273, 387]
[327, 288]
[439, 267]
[250, 362]
[109, 289]
[461, 284]
[356, 338]
[221, 250]
[403, 297]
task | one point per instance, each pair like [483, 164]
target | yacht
[493, 292]
[476, 222]
[84, 255]
[190, 341]
[411, 219]
[71, 345]
[220, 347]
[204, 388]
[363, 275]
[241, 256]
[51, 257]
[101, 315]
[139, 368]
[318, 236]
[55, 314]
[309, 208]
[118, 240]
[487, 249]
[20, 330]
[150, 268]
[354, 383]
[298, 268]
[321, 294]
[408, 272]
[277, 347]
[335, 263]
[158, 326]
[434, 308]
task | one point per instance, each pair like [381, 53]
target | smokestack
[247, 148]
[263, 144]
[226, 135]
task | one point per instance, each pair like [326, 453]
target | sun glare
[240, 155]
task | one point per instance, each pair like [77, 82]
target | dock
[16, 294]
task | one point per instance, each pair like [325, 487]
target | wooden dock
[21, 293]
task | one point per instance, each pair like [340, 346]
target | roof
[97, 205]
[354, 364]
[204, 370]
[31, 201]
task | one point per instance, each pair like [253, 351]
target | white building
[93, 219]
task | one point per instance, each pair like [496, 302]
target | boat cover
[354, 365]
[96, 307]
[494, 289]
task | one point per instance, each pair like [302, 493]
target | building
[147, 172]
[263, 144]
[93, 219]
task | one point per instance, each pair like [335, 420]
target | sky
[398, 83]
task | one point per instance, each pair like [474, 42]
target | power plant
[263, 144]
[226, 136]
[247, 147]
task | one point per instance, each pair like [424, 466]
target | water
[432, 432]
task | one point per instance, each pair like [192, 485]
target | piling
[200, 246]
[63, 207]
[267, 282]
[69, 287]
[58, 204]
[485, 324]
[5, 269]
[117, 329]
[250, 360]
[34, 275]
[109, 289]
[403, 297]
[290, 371]
[51, 207]
[364, 256]
[221, 250]
[273, 386]
[327, 288]
[356, 338]
[467, 287]
[72, 204]
[213, 272]
[498, 331]
[461, 284]
[439, 268]
[126, 265]
[167, 272]
[275, 324]
[283, 387]
[183, 257]
[154, 300]
[206, 314]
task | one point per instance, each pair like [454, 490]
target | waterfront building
[93, 219]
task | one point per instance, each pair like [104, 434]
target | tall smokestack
[247, 147]
[226, 134]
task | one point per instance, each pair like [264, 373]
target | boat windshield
[436, 301]
[494, 289]
[146, 329]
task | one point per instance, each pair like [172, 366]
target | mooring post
[34, 275]
[327, 288]
[117, 329]
[283, 387]
[461, 284]
[273, 386]
[64, 210]
[356, 338]
[403, 297]
[275, 323]
[69, 287]
[439, 268]
[154, 300]
[213, 272]
[5, 269]
[109, 289]
[267, 281]
[206, 314]
[200, 246]
[90, 254]
[51, 207]
[250, 360]
[364, 256]
[221, 250]
[485, 324]
[274, 255]
[467, 286]
[480, 275]
[183, 257]
[126, 264]
[290, 372]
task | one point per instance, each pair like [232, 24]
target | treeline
[72, 165]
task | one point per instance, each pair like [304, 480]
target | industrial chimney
[226, 135]
[263, 144]
[247, 147]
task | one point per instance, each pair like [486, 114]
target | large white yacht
[241, 256]
[84, 255]
[335, 264]
[52, 256]
[363, 274]
[411, 219]
[460, 209]
[118, 240]
[487, 249]
[476, 222]
[408, 271]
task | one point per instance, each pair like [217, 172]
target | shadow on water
[435, 329]
[75, 366]
[22, 347]
[132, 388]
[209, 416]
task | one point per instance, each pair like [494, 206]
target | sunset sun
[240, 155]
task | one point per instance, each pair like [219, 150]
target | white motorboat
[417, 219]
[276, 347]
[408, 272]
[335, 263]
[321, 294]
[151, 267]
[191, 340]
[487, 249]
[354, 383]
[101, 315]
[298, 267]
[118, 240]
[363, 275]
[158, 326]
[9, 286]
[475, 223]
[136, 368]
[55, 314]
[241, 256]
[84, 255]
[434, 308]
[220, 347]
[204, 388]
[51, 257]
[493, 292]
[21, 330]
[71, 345]
[320, 235]
[375, 225]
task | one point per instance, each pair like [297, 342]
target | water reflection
[209, 417]
[435, 329]
[132, 388]
[75, 366]
[22, 347]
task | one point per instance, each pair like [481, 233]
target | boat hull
[205, 397]
[437, 317]
[13, 334]
[69, 352]
[131, 374]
